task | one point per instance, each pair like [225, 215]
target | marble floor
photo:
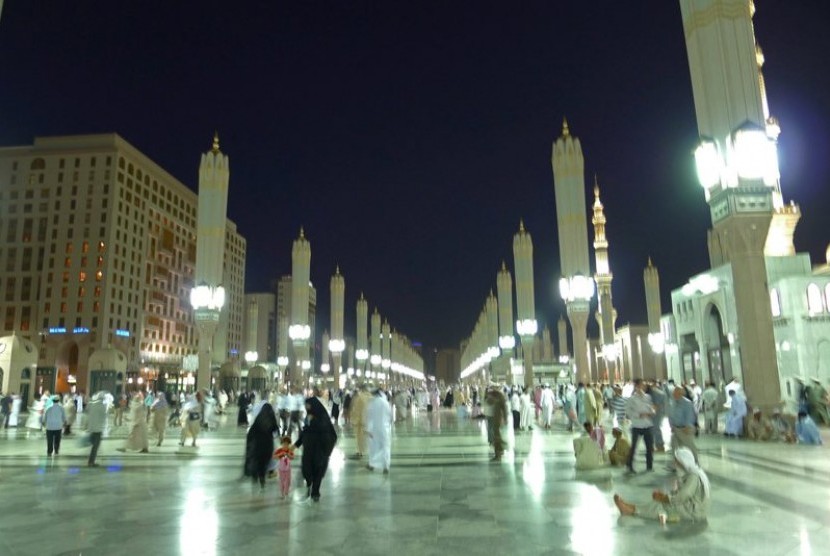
[442, 496]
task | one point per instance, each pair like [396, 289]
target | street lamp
[207, 303]
[577, 291]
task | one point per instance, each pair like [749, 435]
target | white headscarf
[687, 459]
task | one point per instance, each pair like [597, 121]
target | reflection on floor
[443, 496]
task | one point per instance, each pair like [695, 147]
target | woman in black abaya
[317, 439]
[259, 444]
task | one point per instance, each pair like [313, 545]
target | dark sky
[408, 138]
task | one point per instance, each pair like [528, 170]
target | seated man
[618, 454]
[689, 501]
[806, 430]
[782, 427]
[587, 451]
[758, 427]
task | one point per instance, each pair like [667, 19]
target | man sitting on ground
[618, 454]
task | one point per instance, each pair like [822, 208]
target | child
[284, 455]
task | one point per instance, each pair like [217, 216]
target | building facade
[97, 252]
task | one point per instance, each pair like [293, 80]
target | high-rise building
[98, 252]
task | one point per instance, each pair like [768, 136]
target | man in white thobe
[737, 412]
[378, 425]
[546, 402]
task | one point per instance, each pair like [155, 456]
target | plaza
[442, 496]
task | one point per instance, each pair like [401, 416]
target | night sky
[409, 138]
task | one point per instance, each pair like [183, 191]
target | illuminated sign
[80, 330]
[57, 330]
[122, 333]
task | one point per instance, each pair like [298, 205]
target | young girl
[284, 455]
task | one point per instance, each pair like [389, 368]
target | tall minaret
[651, 280]
[299, 331]
[504, 291]
[337, 343]
[737, 163]
[214, 174]
[526, 324]
[606, 315]
[562, 327]
[374, 342]
[576, 285]
[362, 326]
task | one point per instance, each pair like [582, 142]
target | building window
[82, 276]
[815, 302]
[775, 302]
[98, 276]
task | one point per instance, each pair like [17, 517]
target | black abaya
[317, 438]
[259, 444]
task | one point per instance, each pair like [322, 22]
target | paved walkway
[443, 496]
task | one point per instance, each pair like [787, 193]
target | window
[815, 302]
[98, 276]
[82, 276]
[775, 302]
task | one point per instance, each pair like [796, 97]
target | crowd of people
[279, 423]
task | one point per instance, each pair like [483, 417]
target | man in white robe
[737, 412]
[546, 402]
[378, 426]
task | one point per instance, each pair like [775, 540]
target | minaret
[651, 280]
[562, 327]
[337, 344]
[576, 287]
[385, 347]
[606, 315]
[362, 351]
[300, 331]
[526, 324]
[374, 342]
[214, 174]
[504, 292]
[547, 345]
[737, 164]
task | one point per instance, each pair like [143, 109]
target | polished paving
[442, 496]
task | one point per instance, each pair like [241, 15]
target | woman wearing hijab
[317, 438]
[689, 501]
[259, 444]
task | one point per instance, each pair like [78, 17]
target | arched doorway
[229, 378]
[257, 379]
[66, 372]
[717, 345]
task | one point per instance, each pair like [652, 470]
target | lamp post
[577, 292]
[207, 303]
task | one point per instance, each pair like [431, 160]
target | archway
[229, 378]
[257, 379]
[66, 363]
[717, 345]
